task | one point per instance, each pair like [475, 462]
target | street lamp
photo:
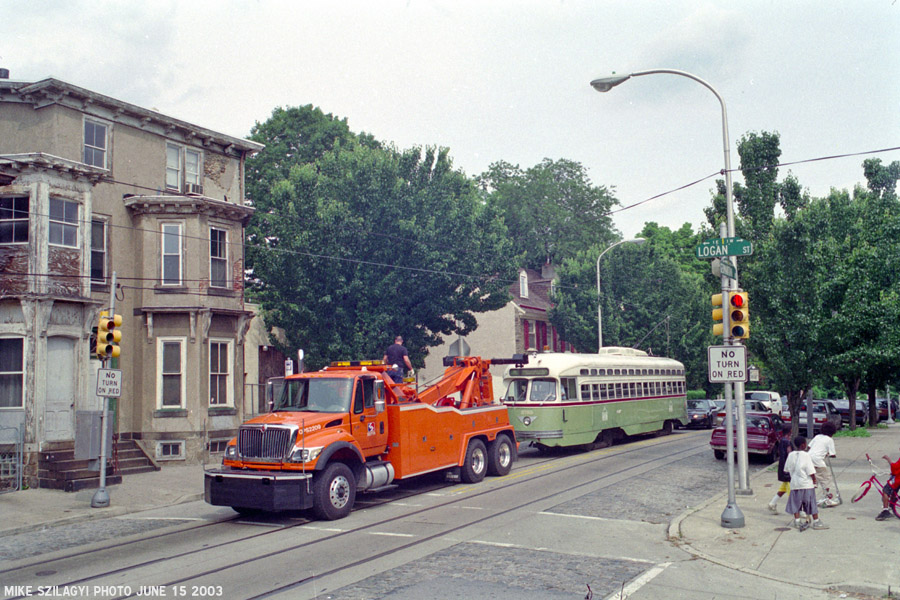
[599, 320]
[732, 516]
[604, 84]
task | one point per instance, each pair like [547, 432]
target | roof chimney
[4, 73]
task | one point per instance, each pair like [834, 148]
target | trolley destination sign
[717, 247]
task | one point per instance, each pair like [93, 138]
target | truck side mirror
[379, 406]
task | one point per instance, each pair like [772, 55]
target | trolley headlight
[304, 455]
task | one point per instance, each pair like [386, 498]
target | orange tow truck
[350, 428]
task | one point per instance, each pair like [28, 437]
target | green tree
[552, 210]
[366, 243]
[648, 302]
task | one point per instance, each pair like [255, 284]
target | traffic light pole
[101, 496]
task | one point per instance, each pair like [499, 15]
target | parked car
[883, 409]
[771, 400]
[701, 413]
[749, 406]
[823, 412]
[764, 431]
[862, 411]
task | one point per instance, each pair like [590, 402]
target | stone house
[90, 185]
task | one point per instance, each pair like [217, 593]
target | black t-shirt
[395, 354]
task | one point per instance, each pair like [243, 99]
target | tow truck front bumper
[260, 490]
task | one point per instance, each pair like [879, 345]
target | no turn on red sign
[727, 364]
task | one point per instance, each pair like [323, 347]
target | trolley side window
[568, 389]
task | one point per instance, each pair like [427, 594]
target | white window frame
[177, 169]
[161, 342]
[104, 150]
[20, 373]
[17, 217]
[178, 176]
[63, 225]
[102, 250]
[163, 279]
[229, 373]
[223, 259]
[523, 284]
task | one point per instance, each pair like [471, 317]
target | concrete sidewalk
[33, 509]
[856, 554]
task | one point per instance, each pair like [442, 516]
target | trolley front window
[543, 390]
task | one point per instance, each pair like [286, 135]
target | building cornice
[187, 205]
[16, 164]
[50, 91]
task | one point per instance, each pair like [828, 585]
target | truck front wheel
[475, 467]
[334, 492]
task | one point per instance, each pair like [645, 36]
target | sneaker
[798, 523]
[773, 509]
[818, 524]
[831, 502]
[883, 515]
[803, 526]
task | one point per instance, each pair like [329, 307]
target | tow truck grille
[265, 443]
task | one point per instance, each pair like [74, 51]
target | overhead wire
[244, 245]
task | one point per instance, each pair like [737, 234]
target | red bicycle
[866, 485]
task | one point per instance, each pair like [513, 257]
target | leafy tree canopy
[552, 210]
[366, 242]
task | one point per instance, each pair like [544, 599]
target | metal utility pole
[101, 496]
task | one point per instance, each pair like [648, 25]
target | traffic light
[739, 321]
[109, 335]
[718, 328]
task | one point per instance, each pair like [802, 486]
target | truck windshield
[316, 395]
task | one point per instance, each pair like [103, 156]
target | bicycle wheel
[862, 491]
[895, 505]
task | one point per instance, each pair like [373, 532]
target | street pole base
[100, 499]
[747, 492]
[732, 517]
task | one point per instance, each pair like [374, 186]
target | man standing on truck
[397, 356]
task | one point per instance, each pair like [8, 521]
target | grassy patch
[861, 432]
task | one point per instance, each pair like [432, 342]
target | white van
[771, 400]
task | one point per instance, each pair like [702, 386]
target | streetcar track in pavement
[537, 469]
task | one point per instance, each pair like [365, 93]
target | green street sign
[717, 247]
[724, 267]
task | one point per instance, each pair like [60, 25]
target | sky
[507, 80]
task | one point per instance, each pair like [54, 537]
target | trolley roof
[570, 364]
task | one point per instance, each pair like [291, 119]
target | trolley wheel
[720, 454]
[334, 492]
[862, 491]
[666, 429]
[501, 455]
[475, 467]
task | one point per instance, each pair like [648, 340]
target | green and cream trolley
[561, 399]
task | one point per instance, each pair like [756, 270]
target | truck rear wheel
[475, 467]
[501, 456]
[334, 492]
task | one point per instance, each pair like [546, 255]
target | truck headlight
[303, 455]
[230, 452]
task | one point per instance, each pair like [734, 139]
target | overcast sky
[505, 80]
